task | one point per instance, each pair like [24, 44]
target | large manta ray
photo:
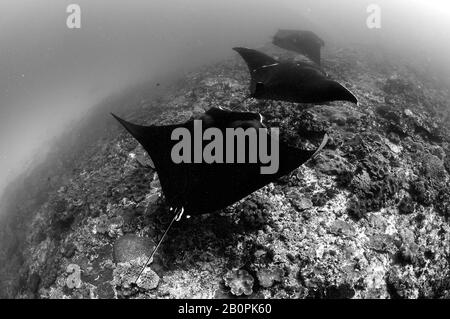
[303, 42]
[290, 81]
[198, 188]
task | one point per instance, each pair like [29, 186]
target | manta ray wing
[254, 59]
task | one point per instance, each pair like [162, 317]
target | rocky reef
[368, 218]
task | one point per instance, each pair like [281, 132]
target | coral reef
[239, 281]
[267, 277]
[368, 218]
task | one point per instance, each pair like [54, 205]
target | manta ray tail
[321, 146]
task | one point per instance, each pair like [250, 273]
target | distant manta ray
[291, 81]
[303, 42]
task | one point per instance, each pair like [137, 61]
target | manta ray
[199, 188]
[303, 42]
[291, 81]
